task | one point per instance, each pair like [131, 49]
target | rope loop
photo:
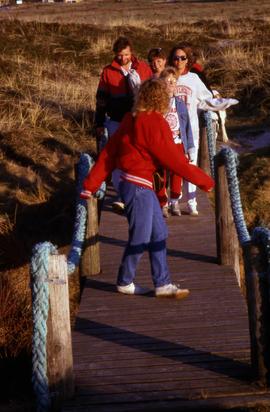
[211, 141]
[230, 159]
[85, 164]
[40, 308]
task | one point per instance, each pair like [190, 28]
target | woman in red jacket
[139, 147]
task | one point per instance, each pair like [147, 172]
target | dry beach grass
[50, 59]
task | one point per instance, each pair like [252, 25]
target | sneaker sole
[146, 292]
[118, 209]
[180, 295]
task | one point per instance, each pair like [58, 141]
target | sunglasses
[182, 58]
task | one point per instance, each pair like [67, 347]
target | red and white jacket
[138, 148]
[114, 97]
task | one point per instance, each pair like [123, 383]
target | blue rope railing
[40, 309]
[230, 161]
[40, 290]
[211, 141]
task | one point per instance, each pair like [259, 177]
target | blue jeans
[147, 231]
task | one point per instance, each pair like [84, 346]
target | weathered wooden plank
[145, 396]
[232, 350]
[206, 404]
[157, 370]
[106, 304]
[98, 328]
[83, 354]
[186, 388]
[127, 338]
[197, 362]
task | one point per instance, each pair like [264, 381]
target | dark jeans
[147, 231]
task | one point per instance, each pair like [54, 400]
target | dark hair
[121, 43]
[187, 48]
[156, 52]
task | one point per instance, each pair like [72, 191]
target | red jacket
[114, 97]
[138, 148]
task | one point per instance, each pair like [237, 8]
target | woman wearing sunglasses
[192, 91]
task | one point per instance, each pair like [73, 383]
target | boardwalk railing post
[257, 288]
[59, 347]
[90, 261]
[203, 161]
[227, 240]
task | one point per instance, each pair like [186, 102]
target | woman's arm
[106, 162]
[202, 93]
[163, 149]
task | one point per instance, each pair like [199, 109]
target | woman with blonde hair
[143, 143]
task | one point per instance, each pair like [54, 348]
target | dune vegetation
[51, 56]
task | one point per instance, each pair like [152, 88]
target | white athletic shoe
[175, 209]
[118, 206]
[171, 291]
[165, 212]
[132, 289]
[192, 210]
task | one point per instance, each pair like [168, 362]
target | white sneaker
[192, 210]
[118, 206]
[165, 212]
[175, 209]
[132, 289]
[171, 291]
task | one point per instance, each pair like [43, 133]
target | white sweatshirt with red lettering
[192, 91]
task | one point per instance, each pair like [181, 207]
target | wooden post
[226, 236]
[59, 347]
[257, 289]
[90, 261]
[203, 161]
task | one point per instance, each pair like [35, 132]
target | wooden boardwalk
[140, 353]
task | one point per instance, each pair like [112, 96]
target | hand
[191, 157]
